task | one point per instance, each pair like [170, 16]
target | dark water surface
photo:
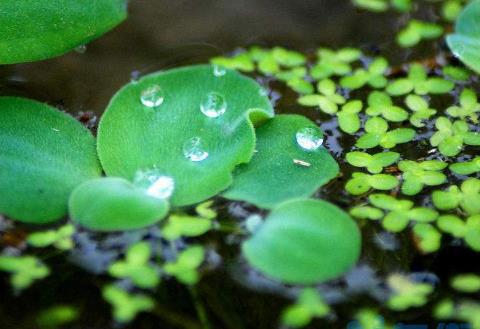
[162, 34]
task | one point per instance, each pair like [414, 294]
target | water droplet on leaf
[152, 96]
[309, 138]
[219, 71]
[193, 150]
[154, 183]
[82, 49]
[213, 105]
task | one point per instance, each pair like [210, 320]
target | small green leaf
[453, 225]
[428, 237]
[466, 168]
[188, 226]
[380, 103]
[374, 163]
[467, 197]
[45, 155]
[60, 238]
[114, 204]
[290, 163]
[348, 118]
[469, 283]
[287, 245]
[361, 183]
[25, 270]
[135, 267]
[309, 305]
[366, 212]
[417, 175]
[185, 267]
[126, 306]
[416, 31]
[373, 75]
[406, 293]
[33, 30]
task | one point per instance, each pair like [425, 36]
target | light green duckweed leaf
[450, 137]
[25, 270]
[60, 238]
[185, 267]
[374, 163]
[416, 175]
[308, 306]
[126, 306]
[466, 197]
[467, 167]
[361, 183]
[377, 134]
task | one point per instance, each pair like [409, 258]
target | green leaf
[361, 183]
[60, 238]
[416, 31]
[25, 270]
[136, 267]
[453, 225]
[374, 163]
[114, 204]
[348, 118]
[33, 30]
[188, 226]
[290, 163]
[287, 245]
[417, 175]
[185, 267]
[380, 103]
[366, 212]
[407, 293]
[469, 283]
[466, 168]
[465, 43]
[308, 306]
[428, 238]
[126, 306]
[467, 197]
[170, 132]
[45, 155]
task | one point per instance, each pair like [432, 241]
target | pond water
[163, 34]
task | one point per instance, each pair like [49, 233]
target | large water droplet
[152, 96]
[309, 138]
[155, 183]
[193, 150]
[213, 105]
[219, 71]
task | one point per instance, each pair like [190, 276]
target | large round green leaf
[44, 155]
[152, 123]
[465, 43]
[304, 242]
[32, 30]
[114, 204]
[281, 169]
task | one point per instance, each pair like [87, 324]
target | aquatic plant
[465, 42]
[32, 31]
[308, 306]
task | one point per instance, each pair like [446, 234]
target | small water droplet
[155, 183]
[219, 71]
[309, 138]
[193, 150]
[213, 105]
[152, 96]
[82, 49]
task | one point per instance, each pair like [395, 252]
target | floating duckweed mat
[406, 139]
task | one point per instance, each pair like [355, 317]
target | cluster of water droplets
[309, 138]
[155, 183]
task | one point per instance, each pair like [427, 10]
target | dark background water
[162, 34]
